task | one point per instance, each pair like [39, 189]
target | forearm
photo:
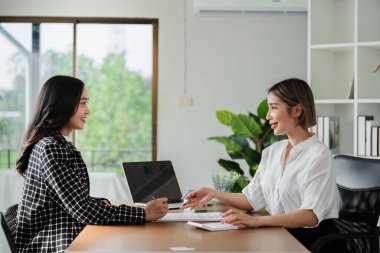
[236, 200]
[96, 212]
[295, 219]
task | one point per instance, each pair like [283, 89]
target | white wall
[232, 60]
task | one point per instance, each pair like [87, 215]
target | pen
[187, 201]
[153, 198]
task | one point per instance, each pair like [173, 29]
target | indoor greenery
[251, 134]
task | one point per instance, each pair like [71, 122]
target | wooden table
[160, 237]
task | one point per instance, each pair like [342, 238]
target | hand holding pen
[156, 208]
[186, 201]
[165, 200]
[198, 198]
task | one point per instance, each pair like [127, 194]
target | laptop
[151, 180]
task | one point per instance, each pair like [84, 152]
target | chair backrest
[358, 180]
[8, 224]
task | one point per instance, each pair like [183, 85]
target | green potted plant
[251, 134]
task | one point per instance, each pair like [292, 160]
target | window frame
[94, 20]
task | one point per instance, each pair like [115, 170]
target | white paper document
[213, 226]
[181, 249]
[186, 216]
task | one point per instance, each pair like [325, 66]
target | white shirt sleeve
[253, 191]
[319, 185]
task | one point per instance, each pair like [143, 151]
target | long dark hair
[57, 102]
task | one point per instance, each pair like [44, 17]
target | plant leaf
[245, 126]
[276, 138]
[263, 108]
[225, 117]
[256, 118]
[240, 140]
[252, 157]
[231, 166]
[231, 146]
[253, 169]
[267, 135]
[240, 183]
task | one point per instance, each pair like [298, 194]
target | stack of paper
[212, 216]
[213, 226]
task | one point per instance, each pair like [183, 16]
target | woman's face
[279, 119]
[78, 119]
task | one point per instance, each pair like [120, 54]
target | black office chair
[358, 181]
[8, 224]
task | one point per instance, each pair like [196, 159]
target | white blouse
[306, 181]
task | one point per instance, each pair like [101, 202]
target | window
[117, 60]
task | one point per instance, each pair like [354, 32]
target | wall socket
[185, 101]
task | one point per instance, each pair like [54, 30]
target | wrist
[213, 193]
[149, 217]
[262, 221]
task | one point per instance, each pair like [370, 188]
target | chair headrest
[357, 173]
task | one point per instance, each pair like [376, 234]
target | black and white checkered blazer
[55, 204]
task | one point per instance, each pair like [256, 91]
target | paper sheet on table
[181, 249]
[212, 216]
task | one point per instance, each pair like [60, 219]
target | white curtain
[103, 184]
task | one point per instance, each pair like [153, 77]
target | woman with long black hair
[55, 204]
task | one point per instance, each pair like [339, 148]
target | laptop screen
[152, 179]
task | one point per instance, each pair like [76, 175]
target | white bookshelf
[344, 49]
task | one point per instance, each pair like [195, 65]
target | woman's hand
[198, 198]
[156, 209]
[237, 218]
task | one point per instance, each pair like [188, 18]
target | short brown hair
[295, 91]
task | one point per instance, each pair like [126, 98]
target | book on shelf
[368, 138]
[363, 134]
[320, 128]
[378, 141]
[334, 132]
[374, 140]
[328, 132]
[368, 145]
